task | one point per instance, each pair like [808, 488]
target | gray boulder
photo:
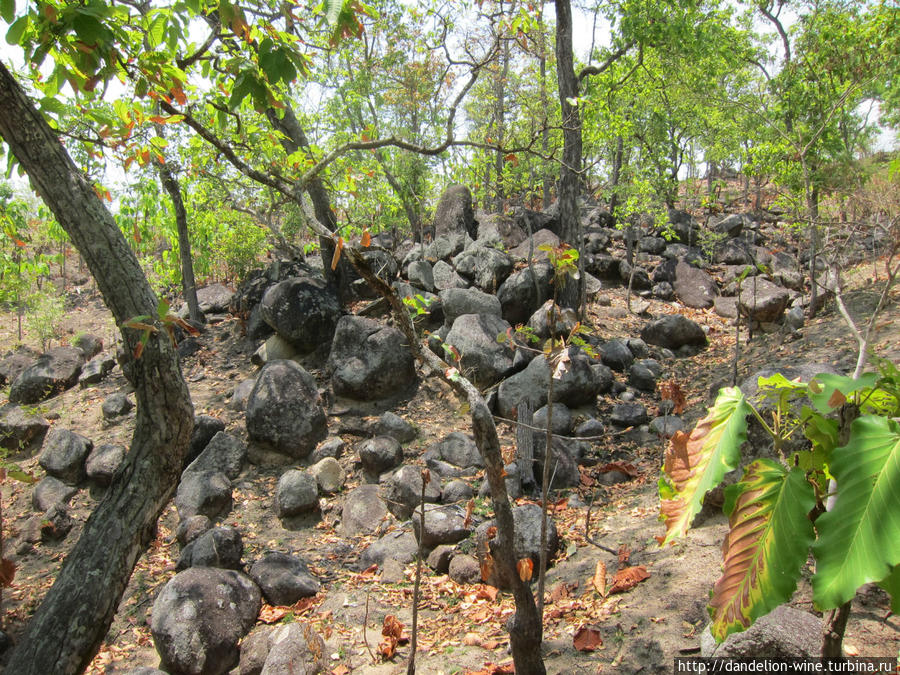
[694, 287]
[784, 632]
[13, 363]
[200, 616]
[616, 355]
[329, 474]
[398, 545]
[369, 361]
[225, 453]
[458, 449]
[284, 579]
[445, 277]
[218, 547]
[20, 430]
[205, 427]
[379, 454]
[302, 310]
[456, 491]
[284, 412]
[391, 424]
[214, 299]
[95, 370]
[116, 405]
[485, 266]
[459, 301]
[464, 569]
[443, 525]
[483, 359]
[49, 492]
[206, 493]
[103, 462]
[420, 274]
[454, 214]
[290, 649]
[565, 319]
[576, 387]
[52, 373]
[673, 331]
[297, 493]
[540, 238]
[763, 301]
[363, 511]
[402, 492]
[64, 454]
[241, 394]
[629, 415]
[520, 297]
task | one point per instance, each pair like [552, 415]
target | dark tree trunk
[295, 139]
[188, 283]
[570, 171]
[615, 178]
[67, 629]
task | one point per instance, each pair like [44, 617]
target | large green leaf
[891, 583]
[696, 463]
[828, 391]
[766, 547]
[859, 539]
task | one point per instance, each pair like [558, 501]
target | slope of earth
[461, 628]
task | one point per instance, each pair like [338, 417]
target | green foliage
[854, 543]
[45, 316]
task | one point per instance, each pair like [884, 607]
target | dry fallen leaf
[628, 578]
[270, 614]
[587, 639]
[487, 567]
[624, 555]
[599, 579]
[471, 639]
[525, 568]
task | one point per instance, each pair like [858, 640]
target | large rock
[443, 525]
[103, 462]
[20, 430]
[284, 579]
[446, 277]
[200, 616]
[205, 493]
[369, 361]
[285, 649]
[297, 492]
[673, 331]
[363, 511]
[398, 545]
[205, 427]
[763, 301]
[284, 412]
[64, 454]
[218, 547]
[577, 386]
[379, 454]
[302, 310]
[485, 266]
[483, 359]
[52, 373]
[454, 213]
[49, 492]
[564, 320]
[95, 370]
[225, 453]
[214, 299]
[12, 365]
[694, 287]
[519, 295]
[783, 633]
[459, 301]
[402, 492]
[458, 449]
[539, 238]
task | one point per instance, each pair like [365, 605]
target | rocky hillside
[292, 535]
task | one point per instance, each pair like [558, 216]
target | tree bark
[570, 171]
[188, 283]
[67, 629]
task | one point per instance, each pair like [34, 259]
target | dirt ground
[461, 628]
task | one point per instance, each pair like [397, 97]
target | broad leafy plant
[780, 508]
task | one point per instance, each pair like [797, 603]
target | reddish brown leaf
[628, 578]
[670, 390]
[491, 532]
[487, 567]
[625, 467]
[599, 580]
[837, 399]
[624, 555]
[366, 239]
[338, 247]
[270, 614]
[525, 568]
[7, 572]
[486, 593]
[560, 591]
[392, 627]
[470, 506]
[587, 639]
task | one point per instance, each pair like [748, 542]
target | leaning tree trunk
[67, 629]
[570, 171]
[188, 282]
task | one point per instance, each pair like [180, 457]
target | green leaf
[696, 463]
[157, 31]
[8, 10]
[333, 10]
[859, 539]
[16, 30]
[828, 391]
[891, 583]
[88, 29]
[162, 308]
[21, 476]
[766, 547]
